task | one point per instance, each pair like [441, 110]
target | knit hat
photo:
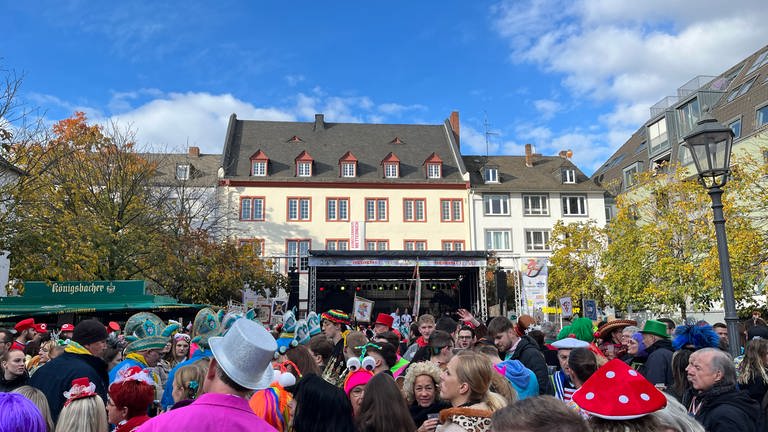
[313, 321]
[617, 392]
[89, 331]
[205, 326]
[336, 316]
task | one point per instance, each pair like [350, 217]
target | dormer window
[391, 164]
[569, 176]
[259, 164]
[182, 172]
[304, 165]
[434, 166]
[348, 165]
[491, 174]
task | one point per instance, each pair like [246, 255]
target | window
[257, 245]
[376, 245]
[337, 209]
[740, 90]
[299, 209]
[491, 174]
[657, 132]
[348, 169]
[453, 245]
[259, 168]
[391, 170]
[376, 210]
[569, 175]
[417, 245]
[536, 240]
[182, 172]
[762, 116]
[759, 62]
[631, 174]
[414, 210]
[251, 208]
[684, 155]
[736, 128]
[574, 206]
[536, 205]
[689, 115]
[608, 213]
[333, 244]
[297, 252]
[434, 170]
[451, 210]
[498, 240]
[304, 169]
[496, 205]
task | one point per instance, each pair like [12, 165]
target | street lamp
[710, 145]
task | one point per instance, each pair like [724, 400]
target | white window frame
[504, 239]
[348, 169]
[337, 244]
[657, 133]
[630, 174]
[391, 170]
[542, 210]
[376, 245]
[376, 210]
[297, 251]
[304, 169]
[434, 170]
[415, 245]
[414, 210]
[337, 209]
[581, 207]
[182, 172]
[299, 209]
[569, 176]
[451, 210]
[533, 244]
[259, 168]
[488, 204]
[491, 175]
[249, 205]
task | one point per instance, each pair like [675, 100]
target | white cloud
[547, 108]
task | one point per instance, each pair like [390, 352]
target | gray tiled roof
[203, 168]
[514, 176]
[4, 164]
[327, 143]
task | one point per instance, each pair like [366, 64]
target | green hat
[145, 331]
[147, 343]
[583, 329]
[207, 324]
[654, 327]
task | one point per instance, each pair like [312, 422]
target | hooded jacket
[724, 408]
[528, 352]
[658, 366]
[522, 379]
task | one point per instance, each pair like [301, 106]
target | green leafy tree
[575, 262]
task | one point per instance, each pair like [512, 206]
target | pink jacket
[210, 412]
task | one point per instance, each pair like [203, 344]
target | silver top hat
[245, 353]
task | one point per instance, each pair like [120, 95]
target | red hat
[67, 327]
[113, 327]
[618, 392]
[385, 320]
[41, 328]
[24, 324]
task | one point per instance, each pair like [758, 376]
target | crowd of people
[227, 371]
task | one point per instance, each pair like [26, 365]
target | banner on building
[566, 306]
[590, 309]
[417, 295]
[363, 308]
[534, 281]
[356, 235]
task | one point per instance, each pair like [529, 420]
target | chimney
[194, 152]
[528, 155]
[319, 122]
[565, 154]
[454, 121]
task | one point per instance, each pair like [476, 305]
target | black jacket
[419, 414]
[658, 366]
[529, 354]
[10, 385]
[55, 377]
[725, 409]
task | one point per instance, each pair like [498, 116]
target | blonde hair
[83, 415]
[475, 370]
[355, 339]
[753, 367]
[185, 376]
[416, 370]
[38, 398]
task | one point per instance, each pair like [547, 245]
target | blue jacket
[167, 399]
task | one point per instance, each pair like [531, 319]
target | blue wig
[695, 336]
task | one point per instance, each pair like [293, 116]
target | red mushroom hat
[618, 392]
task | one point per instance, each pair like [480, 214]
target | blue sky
[577, 75]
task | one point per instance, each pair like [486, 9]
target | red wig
[137, 396]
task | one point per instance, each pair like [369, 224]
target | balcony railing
[693, 85]
[662, 105]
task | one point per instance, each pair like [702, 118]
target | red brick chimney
[528, 155]
[194, 152]
[454, 121]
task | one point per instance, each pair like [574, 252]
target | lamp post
[710, 145]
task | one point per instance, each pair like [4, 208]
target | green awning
[11, 309]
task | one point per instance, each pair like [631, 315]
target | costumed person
[66, 330]
[20, 414]
[187, 385]
[561, 379]
[335, 325]
[361, 370]
[618, 397]
[130, 397]
[207, 324]
[422, 388]
[147, 335]
[611, 333]
[272, 403]
[636, 354]
[84, 410]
